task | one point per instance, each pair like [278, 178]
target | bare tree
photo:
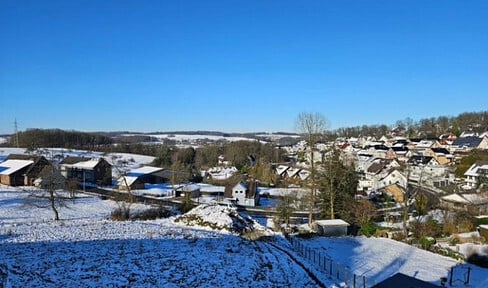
[52, 184]
[312, 126]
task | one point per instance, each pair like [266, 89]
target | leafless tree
[52, 188]
[312, 126]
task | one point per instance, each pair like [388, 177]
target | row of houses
[29, 170]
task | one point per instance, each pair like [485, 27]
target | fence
[458, 276]
[332, 269]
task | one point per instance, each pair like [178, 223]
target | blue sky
[238, 66]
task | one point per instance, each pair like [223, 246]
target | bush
[152, 213]
[426, 242]
[368, 229]
[121, 213]
[481, 221]
[453, 241]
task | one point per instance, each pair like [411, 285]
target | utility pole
[16, 132]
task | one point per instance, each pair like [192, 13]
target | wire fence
[457, 276]
[332, 269]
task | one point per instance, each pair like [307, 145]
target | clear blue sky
[238, 66]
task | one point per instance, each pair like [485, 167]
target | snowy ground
[380, 258]
[85, 249]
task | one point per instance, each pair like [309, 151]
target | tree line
[36, 138]
[425, 128]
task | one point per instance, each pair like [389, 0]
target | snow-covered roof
[291, 172]
[332, 222]
[473, 170]
[475, 198]
[129, 179]
[455, 198]
[425, 144]
[281, 168]
[88, 164]
[11, 166]
[304, 174]
[143, 171]
[191, 187]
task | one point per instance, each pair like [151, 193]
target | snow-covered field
[85, 249]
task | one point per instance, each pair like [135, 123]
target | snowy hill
[85, 249]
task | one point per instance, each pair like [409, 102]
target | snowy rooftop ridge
[88, 164]
[11, 166]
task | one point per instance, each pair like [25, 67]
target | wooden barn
[90, 170]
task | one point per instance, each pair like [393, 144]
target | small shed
[191, 189]
[333, 227]
[137, 178]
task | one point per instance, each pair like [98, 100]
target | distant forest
[250, 157]
[428, 128]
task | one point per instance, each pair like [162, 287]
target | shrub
[426, 242]
[121, 213]
[152, 213]
[368, 229]
[453, 241]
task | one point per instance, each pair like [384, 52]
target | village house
[441, 155]
[476, 175]
[466, 144]
[426, 144]
[447, 138]
[87, 170]
[12, 172]
[137, 178]
[402, 153]
[425, 170]
[245, 194]
[474, 203]
[294, 174]
[39, 163]
[380, 151]
[219, 173]
[395, 191]
[192, 190]
[380, 173]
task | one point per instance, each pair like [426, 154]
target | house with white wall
[245, 194]
[475, 174]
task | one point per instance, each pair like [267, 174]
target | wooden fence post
[450, 276]
[330, 267]
[467, 276]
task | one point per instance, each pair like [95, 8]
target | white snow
[84, 249]
[145, 170]
[88, 164]
[11, 166]
[332, 222]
